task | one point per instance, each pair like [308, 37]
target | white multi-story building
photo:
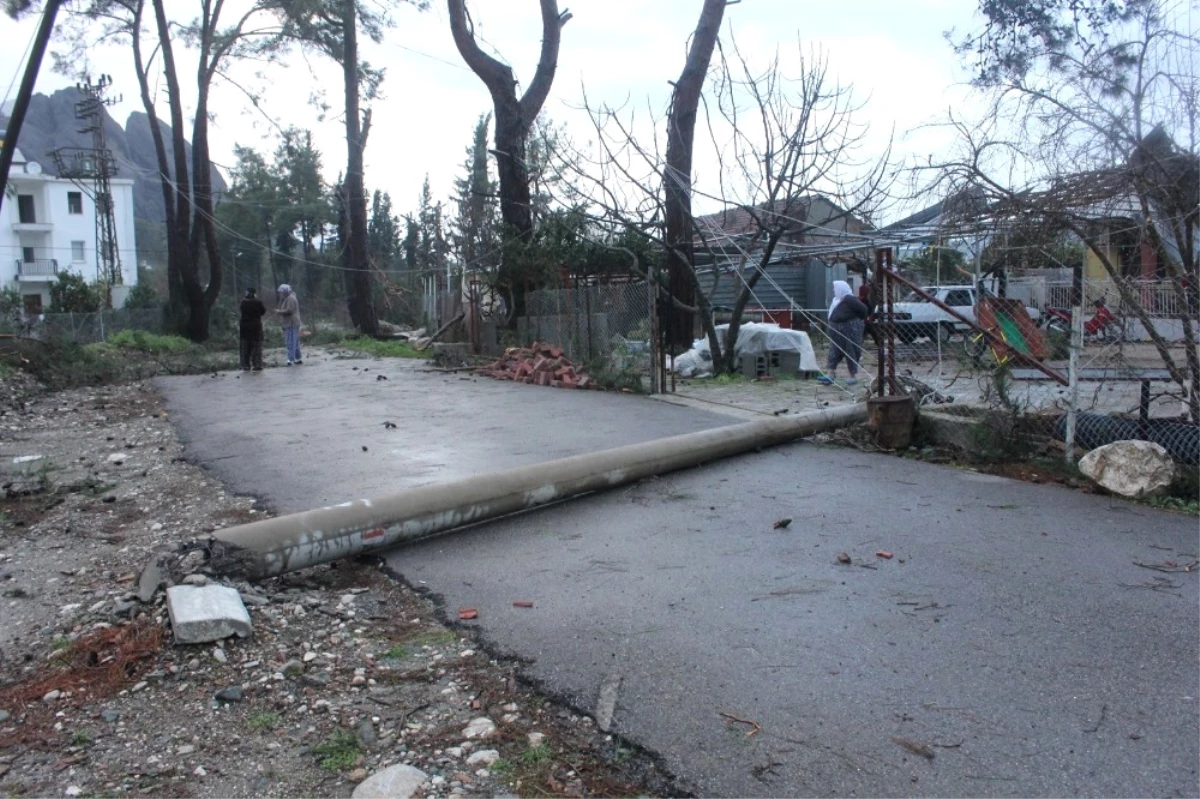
[48, 225]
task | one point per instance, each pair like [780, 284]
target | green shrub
[339, 751]
[152, 343]
[142, 296]
[393, 348]
[73, 294]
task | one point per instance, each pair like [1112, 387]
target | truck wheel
[945, 332]
[906, 334]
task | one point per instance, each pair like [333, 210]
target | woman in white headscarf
[847, 316]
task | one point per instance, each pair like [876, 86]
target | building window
[27, 255]
[25, 209]
[75, 202]
[77, 253]
[32, 304]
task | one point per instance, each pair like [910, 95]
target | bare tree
[253, 33]
[332, 27]
[677, 180]
[514, 117]
[1092, 128]
[791, 184]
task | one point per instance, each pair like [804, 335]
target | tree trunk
[677, 189]
[354, 247]
[514, 118]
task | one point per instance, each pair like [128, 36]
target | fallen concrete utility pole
[287, 543]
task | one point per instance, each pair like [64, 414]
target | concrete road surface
[1010, 647]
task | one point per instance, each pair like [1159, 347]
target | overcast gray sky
[893, 53]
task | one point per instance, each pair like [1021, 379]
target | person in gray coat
[288, 312]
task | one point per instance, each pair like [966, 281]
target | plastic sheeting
[754, 338]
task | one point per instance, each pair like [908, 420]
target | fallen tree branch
[441, 330]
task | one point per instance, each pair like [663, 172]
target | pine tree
[475, 231]
[383, 233]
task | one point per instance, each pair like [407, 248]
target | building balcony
[40, 269]
[33, 227]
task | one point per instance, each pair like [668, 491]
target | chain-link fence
[1028, 389]
[606, 327]
[87, 328]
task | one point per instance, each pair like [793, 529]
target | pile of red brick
[540, 365]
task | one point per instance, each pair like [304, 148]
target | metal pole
[25, 92]
[884, 320]
[891, 306]
[286, 543]
[1073, 364]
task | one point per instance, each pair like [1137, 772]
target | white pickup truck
[917, 317]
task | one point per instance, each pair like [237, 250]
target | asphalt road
[1011, 647]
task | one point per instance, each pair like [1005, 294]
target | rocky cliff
[50, 123]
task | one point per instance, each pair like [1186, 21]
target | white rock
[536, 738]
[186, 749]
[1130, 468]
[394, 782]
[206, 613]
[309, 657]
[117, 458]
[27, 458]
[196, 579]
[454, 751]
[73, 790]
[482, 727]
[200, 772]
[347, 599]
[52, 695]
[219, 655]
[484, 757]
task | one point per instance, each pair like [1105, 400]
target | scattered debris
[883, 553]
[389, 425]
[522, 603]
[200, 614]
[1169, 566]
[542, 364]
[782, 524]
[843, 558]
[916, 747]
[755, 727]
[468, 613]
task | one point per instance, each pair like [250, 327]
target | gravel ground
[348, 671]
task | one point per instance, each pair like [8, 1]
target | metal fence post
[1073, 365]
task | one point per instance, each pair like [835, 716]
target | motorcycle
[1104, 324]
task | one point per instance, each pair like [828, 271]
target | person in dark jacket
[865, 296]
[847, 315]
[250, 331]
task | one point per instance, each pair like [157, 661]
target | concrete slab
[297, 436]
[1013, 633]
[200, 614]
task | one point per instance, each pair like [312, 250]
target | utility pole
[98, 166]
[21, 104]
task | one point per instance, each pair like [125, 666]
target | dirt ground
[348, 671]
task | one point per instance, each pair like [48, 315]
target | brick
[569, 382]
[585, 382]
[543, 378]
[556, 352]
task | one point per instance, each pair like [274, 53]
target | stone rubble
[342, 658]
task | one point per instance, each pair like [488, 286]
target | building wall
[56, 229]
